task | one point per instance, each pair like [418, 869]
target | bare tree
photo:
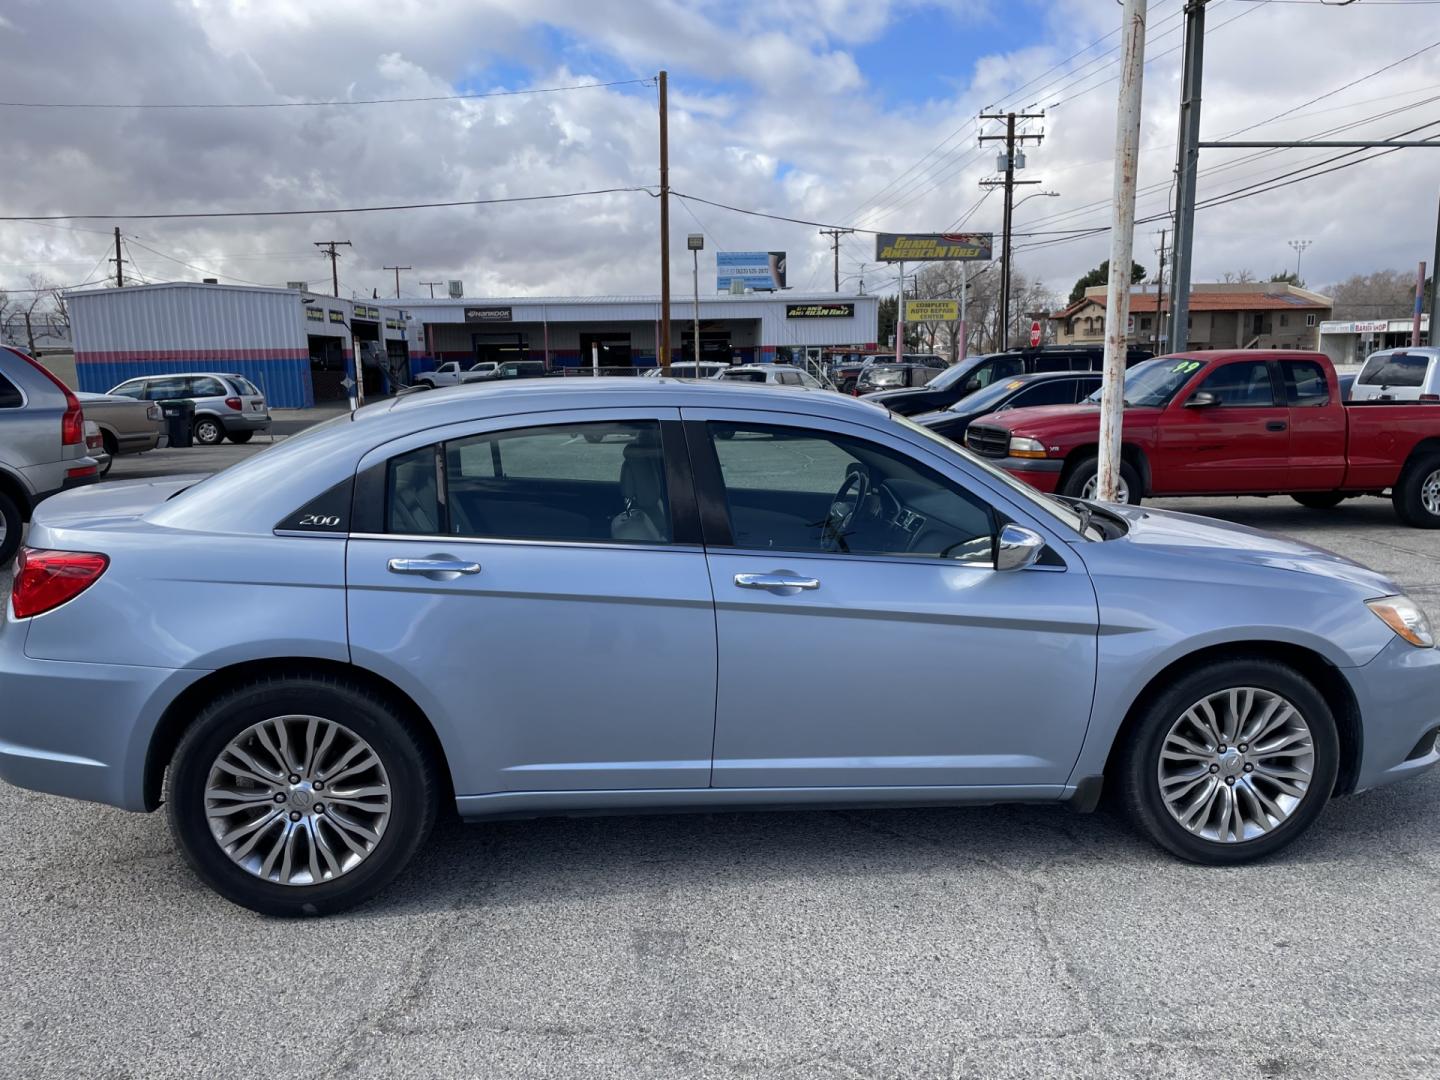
[1237, 277]
[1383, 294]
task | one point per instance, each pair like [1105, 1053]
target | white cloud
[769, 110]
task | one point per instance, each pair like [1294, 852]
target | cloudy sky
[855, 112]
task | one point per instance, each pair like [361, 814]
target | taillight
[234, 403]
[1430, 397]
[46, 579]
[72, 424]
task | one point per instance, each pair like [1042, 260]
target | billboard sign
[760, 270]
[932, 310]
[487, 314]
[819, 311]
[933, 247]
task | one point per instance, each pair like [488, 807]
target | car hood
[1051, 419]
[1196, 537]
[880, 397]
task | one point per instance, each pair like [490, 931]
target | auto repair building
[297, 346]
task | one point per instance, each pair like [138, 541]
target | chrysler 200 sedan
[611, 595]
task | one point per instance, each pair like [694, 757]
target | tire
[240, 437]
[1140, 764]
[10, 527]
[1319, 500]
[591, 437]
[1416, 496]
[405, 769]
[208, 431]
[112, 449]
[1080, 476]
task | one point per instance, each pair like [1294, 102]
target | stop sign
[1035, 334]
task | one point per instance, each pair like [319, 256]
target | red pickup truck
[1232, 423]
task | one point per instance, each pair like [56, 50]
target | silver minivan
[226, 405]
[1411, 374]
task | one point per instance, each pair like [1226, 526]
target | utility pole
[1435, 285]
[1122, 250]
[397, 270]
[696, 243]
[1010, 138]
[1186, 165]
[835, 235]
[663, 357]
[118, 261]
[1419, 298]
[900, 319]
[432, 285]
[1299, 246]
[1160, 297]
[333, 256]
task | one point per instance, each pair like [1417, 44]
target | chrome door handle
[777, 580]
[437, 568]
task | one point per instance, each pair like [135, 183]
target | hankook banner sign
[933, 247]
[487, 314]
[819, 311]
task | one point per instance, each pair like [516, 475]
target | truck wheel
[1319, 500]
[1082, 479]
[1230, 762]
[1417, 494]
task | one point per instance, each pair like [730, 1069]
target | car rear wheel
[1416, 496]
[1082, 481]
[1230, 763]
[208, 431]
[300, 795]
[241, 436]
[10, 524]
[1319, 500]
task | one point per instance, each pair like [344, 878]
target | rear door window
[1305, 383]
[1395, 369]
[1049, 392]
[204, 386]
[10, 396]
[166, 389]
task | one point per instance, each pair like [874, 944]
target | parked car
[914, 369]
[977, 372]
[845, 373]
[688, 369]
[520, 369]
[452, 372]
[1023, 391]
[1226, 683]
[1347, 383]
[1233, 423]
[226, 406]
[127, 426]
[1399, 375]
[773, 374]
[42, 443]
[95, 447]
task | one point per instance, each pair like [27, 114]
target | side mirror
[1017, 548]
[1202, 399]
[971, 385]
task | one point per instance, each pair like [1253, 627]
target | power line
[320, 104]
[320, 212]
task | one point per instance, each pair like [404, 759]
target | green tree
[1289, 277]
[1101, 275]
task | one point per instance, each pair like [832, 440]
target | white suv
[1399, 375]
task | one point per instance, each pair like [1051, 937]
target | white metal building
[298, 346]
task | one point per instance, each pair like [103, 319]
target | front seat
[642, 484]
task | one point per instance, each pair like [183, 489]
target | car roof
[183, 375]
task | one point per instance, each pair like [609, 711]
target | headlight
[1022, 447]
[1405, 617]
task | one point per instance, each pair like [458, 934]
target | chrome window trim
[441, 538]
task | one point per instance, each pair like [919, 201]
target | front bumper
[1399, 697]
[1043, 474]
[79, 730]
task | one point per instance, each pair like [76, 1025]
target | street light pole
[696, 243]
[1299, 246]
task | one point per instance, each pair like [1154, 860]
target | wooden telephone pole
[397, 270]
[119, 262]
[1009, 183]
[835, 235]
[333, 256]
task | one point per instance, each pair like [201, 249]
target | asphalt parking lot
[1004, 942]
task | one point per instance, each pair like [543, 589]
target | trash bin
[180, 421]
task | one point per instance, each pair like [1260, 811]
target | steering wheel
[841, 515]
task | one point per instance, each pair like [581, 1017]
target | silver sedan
[734, 596]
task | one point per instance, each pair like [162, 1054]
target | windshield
[1155, 382]
[988, 399]
[952, 375]
[1018, 488]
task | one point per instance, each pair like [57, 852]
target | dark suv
[976, 372]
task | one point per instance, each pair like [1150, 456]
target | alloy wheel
[1430, 493]
[1236, 765]
[1092, 486]
[298, 800]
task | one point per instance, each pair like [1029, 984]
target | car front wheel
[208, 431]
[300, 795]
[1230, 763]
[1083, 481]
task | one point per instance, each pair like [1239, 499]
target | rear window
[245, 386]
[745, 376]
[10, 396]
[1395, 369]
